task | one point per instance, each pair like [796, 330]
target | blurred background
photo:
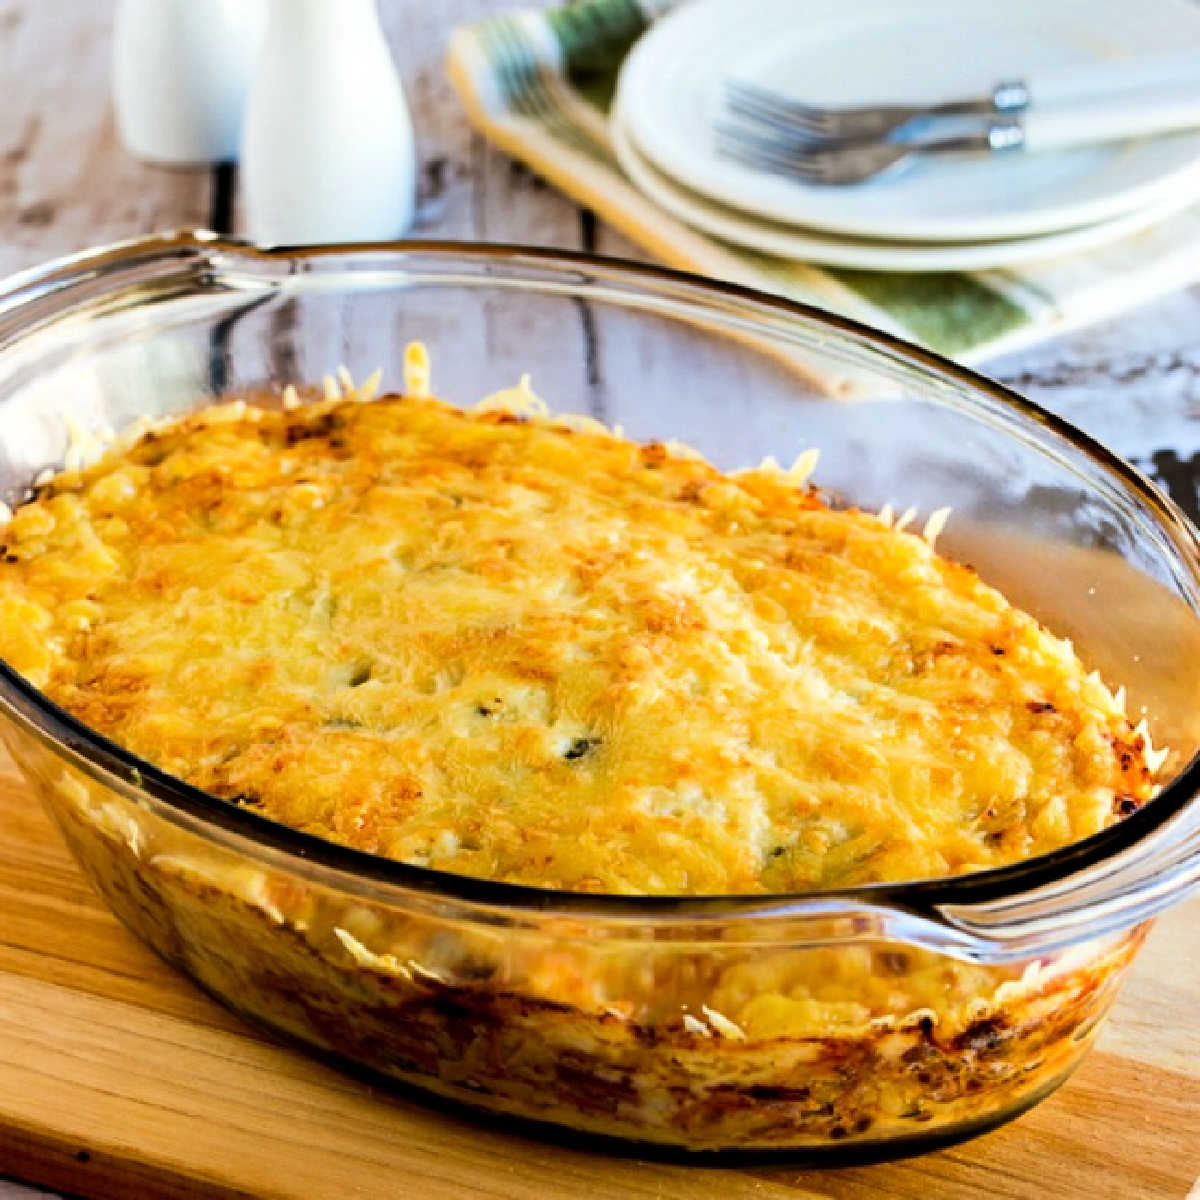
[67, 182]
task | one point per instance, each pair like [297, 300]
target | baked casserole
[524, 649]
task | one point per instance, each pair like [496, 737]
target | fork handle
[1075, 84]
[1112, 118]
[1114, 75]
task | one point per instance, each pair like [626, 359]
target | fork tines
[749, 100]
[813, 123]
[767, 153]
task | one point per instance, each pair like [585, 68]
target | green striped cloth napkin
[538, 85]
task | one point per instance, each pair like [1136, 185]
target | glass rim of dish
[992, 914]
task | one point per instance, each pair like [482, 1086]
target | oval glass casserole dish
[864, 1021]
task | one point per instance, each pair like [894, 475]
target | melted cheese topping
[536, 652]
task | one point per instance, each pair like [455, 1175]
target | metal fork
[811, 122]
[854, 162]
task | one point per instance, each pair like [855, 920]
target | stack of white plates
[941, 212]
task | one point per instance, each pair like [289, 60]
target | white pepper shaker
[327, 148]
[180, 73]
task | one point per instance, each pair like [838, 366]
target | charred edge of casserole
[991, 1062]
[994, 1061]
[495, 1049]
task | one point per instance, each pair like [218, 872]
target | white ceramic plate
[834, 52]
[785, 241]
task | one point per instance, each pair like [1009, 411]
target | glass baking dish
[863, 1023]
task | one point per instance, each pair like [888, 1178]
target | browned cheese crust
[531, 652]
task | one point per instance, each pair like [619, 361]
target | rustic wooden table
[65, 183]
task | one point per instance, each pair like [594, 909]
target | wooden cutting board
[119, 1078]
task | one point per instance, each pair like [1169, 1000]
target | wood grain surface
[118, 1078]
[65, 183]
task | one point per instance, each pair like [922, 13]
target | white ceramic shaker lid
[181, 69]
[327, 149]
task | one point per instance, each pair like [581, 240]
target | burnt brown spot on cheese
[1125, 806]
[303, 429]
[654, 455]
[580, 747]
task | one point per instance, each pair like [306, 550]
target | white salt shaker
[180, 73]
[327, 149]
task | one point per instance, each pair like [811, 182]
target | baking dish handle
[1136, 885]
